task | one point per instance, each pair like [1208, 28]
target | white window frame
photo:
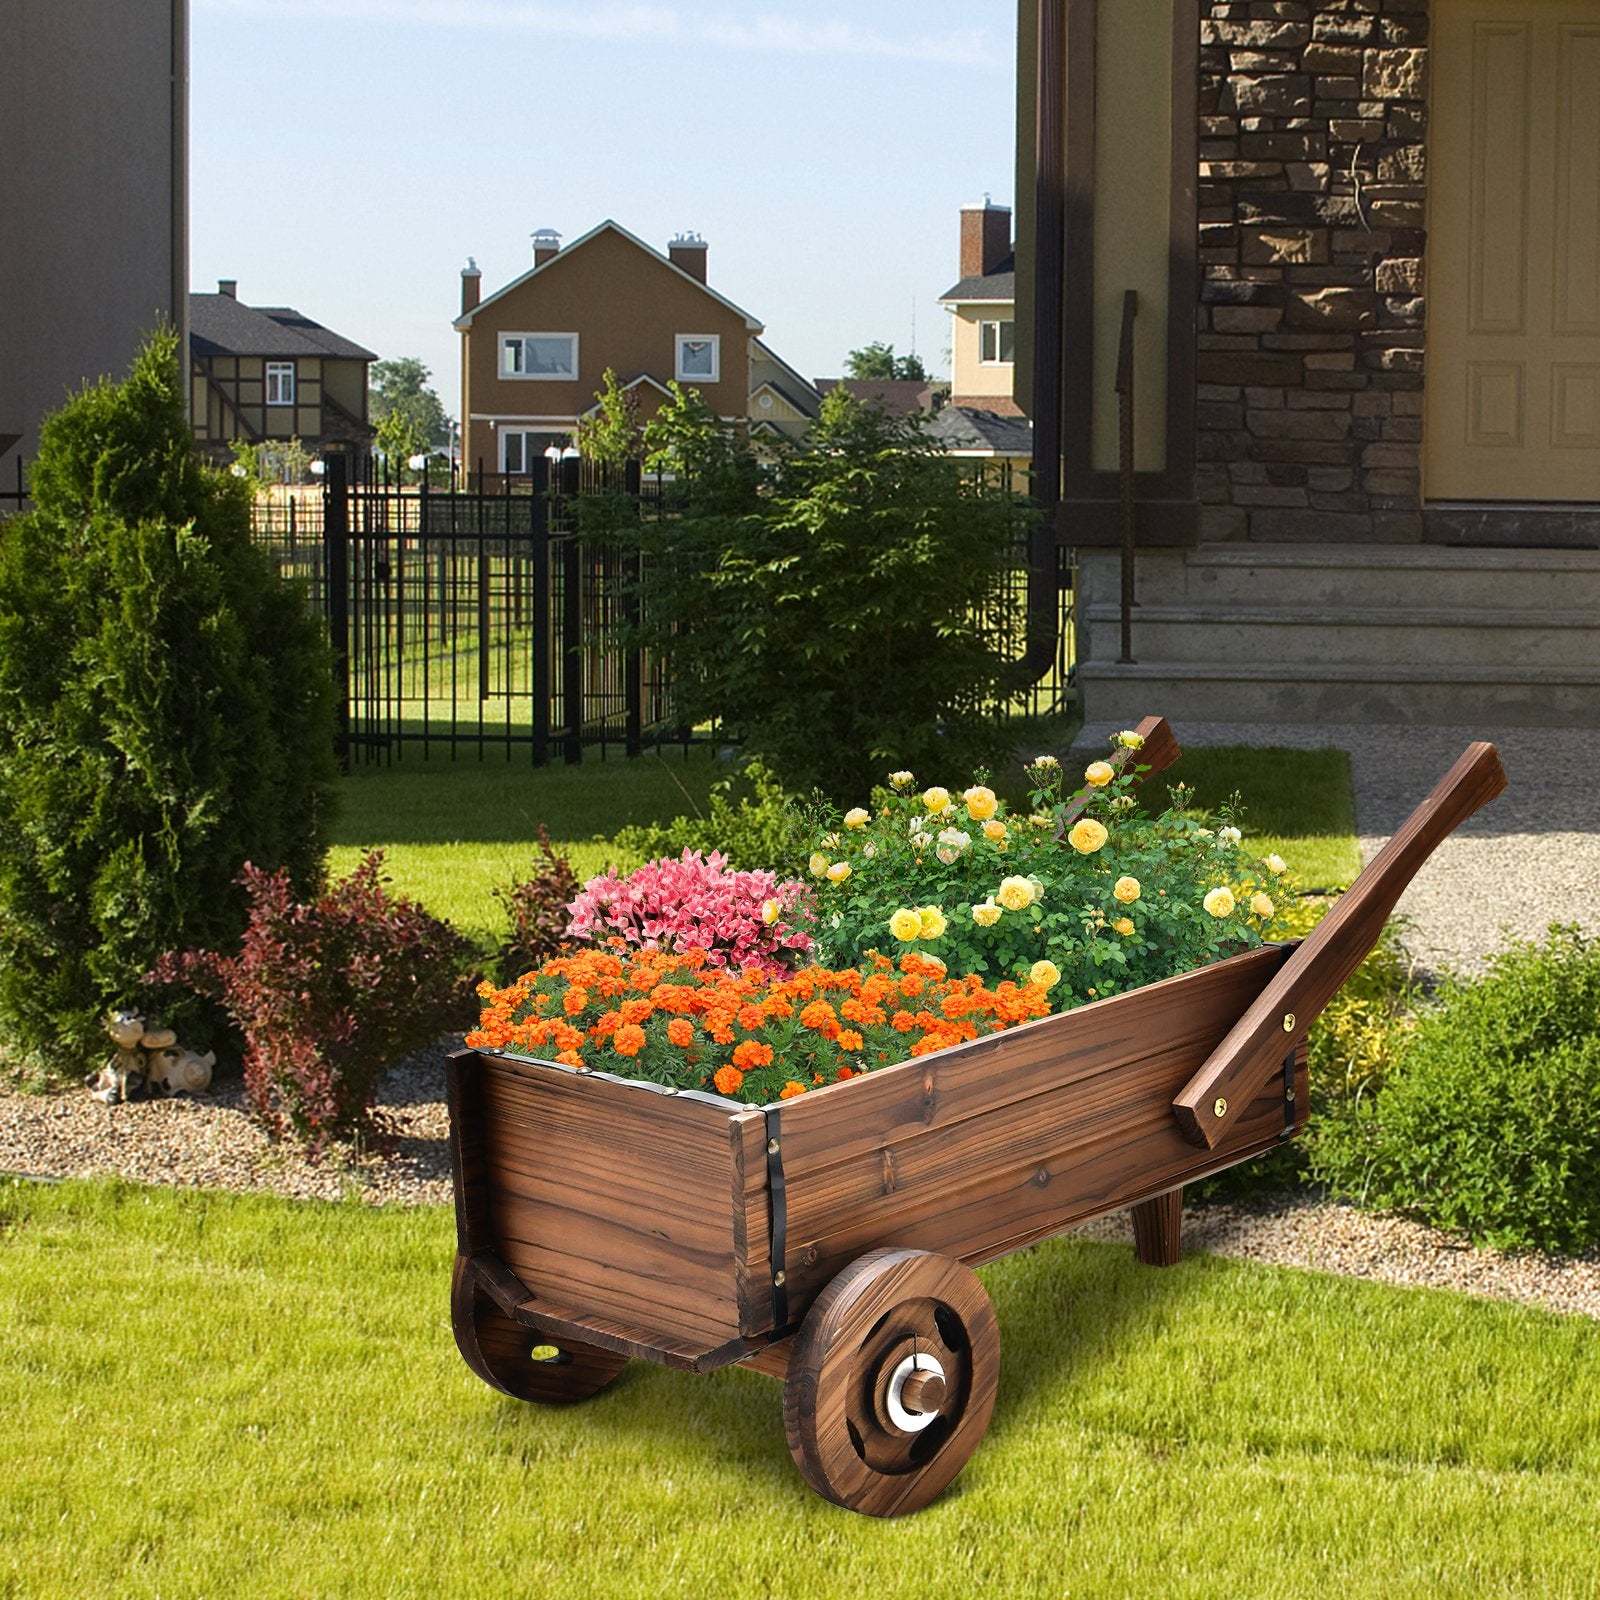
[715, 341]
[279, 384]
[997, 323]
[506, 435]
[511, 375]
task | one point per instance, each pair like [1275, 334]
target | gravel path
[1529, 859]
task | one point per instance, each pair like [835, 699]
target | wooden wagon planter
[829, 1240]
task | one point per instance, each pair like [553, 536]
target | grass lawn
[454, 831]
[204, 1394]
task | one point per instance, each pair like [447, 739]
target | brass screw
[772, 1147]
[777, 1280]
[1220, 1107]
[1288, 1022]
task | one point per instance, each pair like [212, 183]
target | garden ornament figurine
[179, 1071]
[122, 1077]
[147, 1059]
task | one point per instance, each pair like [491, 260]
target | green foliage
[877, 361]
[1489, 1120]
[688, 439]
[165, 712]
[538, 910]
[846, 583]
[748, 817]
[269, 462]
[400, 437]
[400, 388]
[611, 435]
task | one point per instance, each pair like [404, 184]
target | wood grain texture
[1159, 751]
[501, 1350]
[980, 1149]
[1254, 1047]
[1158, 1229]
[889, 1306]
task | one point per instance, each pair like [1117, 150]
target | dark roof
[219, 325]
[1001, 285]
[898, 397]
[968, 428]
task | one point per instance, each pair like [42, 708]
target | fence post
[572, 645]
[540, 527]
[336, 570]
[633, 662]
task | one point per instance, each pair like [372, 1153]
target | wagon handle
[1158, 752]
[1238, 1069]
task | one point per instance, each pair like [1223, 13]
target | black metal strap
[1288, 1097]
[779, 1237]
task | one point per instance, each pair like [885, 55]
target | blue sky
[348, 155]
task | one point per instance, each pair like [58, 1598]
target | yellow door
[1513, 366]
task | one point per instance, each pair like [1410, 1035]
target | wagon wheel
[517, 1360]
[891, 1381]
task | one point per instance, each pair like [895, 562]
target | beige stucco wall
[971, 378]
[627, 309]
[93, 211]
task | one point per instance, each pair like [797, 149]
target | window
[699, 358]
[997, 343]
[520, 448]
[280, 383]
[539, 355]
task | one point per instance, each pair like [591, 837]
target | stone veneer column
[1313, 116]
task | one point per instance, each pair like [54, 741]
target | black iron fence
[468, 621]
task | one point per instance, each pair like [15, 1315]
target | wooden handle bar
[1238, 1069]
[1157, 753]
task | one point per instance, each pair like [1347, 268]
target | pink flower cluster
[740, 919]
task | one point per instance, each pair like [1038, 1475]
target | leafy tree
[877, 362]
[401, 386]
[165, 713]
[846, 580]
[269, 461]
[612, 435]
[400, 438]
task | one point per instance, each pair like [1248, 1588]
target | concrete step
[1294, 631]
[1377, 575]
[1232, 691]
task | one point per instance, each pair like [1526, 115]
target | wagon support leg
[1158, 1229]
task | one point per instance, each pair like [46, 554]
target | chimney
[471, 286]
[688, 252]
[229, 287]
[546, 246]
[985, 238]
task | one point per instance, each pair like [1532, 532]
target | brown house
[262, 373]
[1364, 241]
[534, 354]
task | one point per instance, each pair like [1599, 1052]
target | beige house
[93, 197]
[534, 353]
[983, 310]
[264, 373]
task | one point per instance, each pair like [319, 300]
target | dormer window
[550, 356]
[280, 383]
[699, 358]
[997, 342]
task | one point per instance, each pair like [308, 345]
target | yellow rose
[1129, 740]
[994, 828]
[901, 780]
[932, 921]
[1220, 901]
[1126, 890]
[1047, 763]
[769, 911]
[981, 803]
[1124, 926]
[905, 924]
[819, 865]
[1276, 864]
[839, 871]
[1040, 820]
[1015, 894]
[1262, 905]
[937, 800]
[1087, 836]
[1044, 973]
[1099, 773]
[856, 817]
[986, 915]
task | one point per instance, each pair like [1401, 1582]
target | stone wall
[1312, 171]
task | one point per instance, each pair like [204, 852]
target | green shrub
[1489, 1121]
[165, 713]
[538, 909]
[750, 819]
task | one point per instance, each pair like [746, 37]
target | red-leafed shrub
[539, 911]
[330, 994]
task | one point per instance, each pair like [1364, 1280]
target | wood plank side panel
[613, 1205]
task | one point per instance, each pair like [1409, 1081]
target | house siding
[1313, 162]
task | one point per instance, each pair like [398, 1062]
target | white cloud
[765, 32]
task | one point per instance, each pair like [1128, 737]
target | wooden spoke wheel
[518, 1360]
[891, 1381]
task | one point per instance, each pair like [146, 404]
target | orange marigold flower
[849, 1039]
[629, 1040]
[791, 1089]
[846, 1072]
[751, 1054]
[722, 1035]
[681, 1032]
[752, 1017]
[902, 1022]
[728, 1080]
[636, 1011]
[817, 1015]
[574, 1001]
[570, 1058]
